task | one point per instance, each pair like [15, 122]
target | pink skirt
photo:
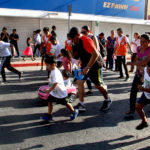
[28, 51]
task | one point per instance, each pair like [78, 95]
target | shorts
[143, 100]
[56, 100]
[96, 76]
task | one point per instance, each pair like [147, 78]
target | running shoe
[80, 107]
[106, 105]
[47, 117]
[142, 125]
[74, 114]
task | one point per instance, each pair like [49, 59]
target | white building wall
[26, 26]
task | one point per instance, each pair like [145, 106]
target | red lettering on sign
[134, 8]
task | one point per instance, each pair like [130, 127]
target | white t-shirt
[67, 83]
[146, 83]
[120, 39]
[56, 77]
[4, 49]
[38, 38]
[57, 50]
[134, 47]
[46, 38]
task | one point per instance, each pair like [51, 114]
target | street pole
[69, 15]
[146, 10]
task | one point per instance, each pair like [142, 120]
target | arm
[129, 47]
[141, 88]
[93, 59]
[13, 50]
[52, 88]
[95, 42]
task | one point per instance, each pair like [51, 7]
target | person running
[134, 44]
[145, 98]
[4, 35]
[143, 57]
[45, 45]
[110, 46]
[121, 51]
[57, 90]
[28, 51]
[6, 59]
[91, 64]
[86, 31]
[37, 42]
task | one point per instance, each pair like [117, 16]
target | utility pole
[146, 10]
[69, 15]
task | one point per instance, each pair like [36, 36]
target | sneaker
[142, 125]
[74, 114]
[47, 117]
[89, 93]
[120, 77]
[80, 107]
[127, 79]
[106, 105]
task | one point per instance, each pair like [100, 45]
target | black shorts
[143, 100]
[62, 101]
[96, 76]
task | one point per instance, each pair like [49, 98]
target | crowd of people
[88, 52]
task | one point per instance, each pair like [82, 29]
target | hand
[140, 87]
[85, 71]
[47, 91]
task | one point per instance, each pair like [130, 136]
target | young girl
[66, 60]
[66, 75]
[28, 50]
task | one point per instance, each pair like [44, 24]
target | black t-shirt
[5, 38]
[12, 41]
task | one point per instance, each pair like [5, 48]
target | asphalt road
[22, 129]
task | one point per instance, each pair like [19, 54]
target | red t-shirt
[88, 44]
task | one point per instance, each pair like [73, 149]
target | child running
[58, 92]
[66, 60]
[145, 98]
[28, 51]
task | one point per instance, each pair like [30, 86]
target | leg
[70, 107]
[80, 84]
[2, 69]
[17, 50]
[125, 66]
[119, 63]
[140, 111]
[10, 68]
[42, 61]
[50, 108]
[89, 85]
[34, 52]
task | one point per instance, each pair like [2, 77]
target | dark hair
[146, 37]
[53, 27]
[66, 53]
[68, 35]
[14, 30]
[101, 34]
[119, 30]
[28, 39]
[127, 35]
[45, 29]
[53, 38]
[4, 28]
[87, 28]
[73, 32]
[38, 31]
[51, 60]
[66, 73]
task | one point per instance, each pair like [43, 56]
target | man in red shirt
[91, 65]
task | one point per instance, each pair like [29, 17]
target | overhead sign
[117, 8]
